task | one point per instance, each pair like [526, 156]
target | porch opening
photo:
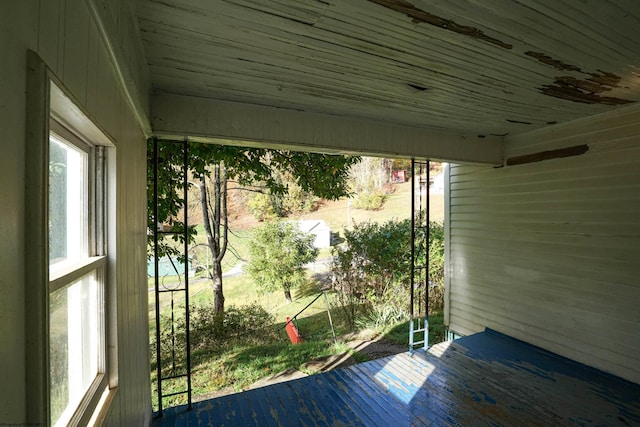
[350, 239]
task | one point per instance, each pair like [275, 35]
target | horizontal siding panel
[550, 197]
[591, 206]
[590, 223]
[617, 345]
[625, 133]
[557, 307]
[569, 246]
[548, 252]
[506, 186]
[569, 267]
[609, 166]
[585, 294]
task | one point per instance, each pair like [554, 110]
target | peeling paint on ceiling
[587, 91]
[483, 68]
[555, 63]
[422, 16]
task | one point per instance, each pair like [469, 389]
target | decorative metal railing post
[185, 169]
[427, 243]
[420, 233]
[156, 271]
[413, 252]
[177, 370]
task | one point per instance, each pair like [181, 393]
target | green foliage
[267, 205]
[321, 175]
[279, 252]
[372, 270]
[245, 323]
[378, 253]
[261, 207]
[436, 266]
[249, 347]
[171, 177]
[248, 324]
[402, 164]
[392, 307]
[297, 200]
[250, 363]
[370, 201]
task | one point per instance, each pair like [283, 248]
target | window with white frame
[77, 264]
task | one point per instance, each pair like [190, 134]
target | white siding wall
[549, 252]
[64, 34]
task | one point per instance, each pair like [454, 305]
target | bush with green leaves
[389, 309]
[372, 270]
[297, 200]
[246, 324]
[268, 205]
[370, 201]
[278, 253]
[261, 207]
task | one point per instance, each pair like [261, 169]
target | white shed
[319, 229]
[437, 185]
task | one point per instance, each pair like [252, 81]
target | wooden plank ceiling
[483, 68]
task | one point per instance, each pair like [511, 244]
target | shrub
[247, 323]
[370, 201]
[389, 309]
[371, 271]
[296, 200]
[261, 207]
[279, 251]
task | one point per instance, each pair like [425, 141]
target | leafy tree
[279, 251]
[211, 165]
[265, 206]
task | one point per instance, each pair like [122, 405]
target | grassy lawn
[236, 365]
[397, 206]
[240, 363]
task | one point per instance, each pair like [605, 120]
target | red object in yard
[292, 331]
[399, 176]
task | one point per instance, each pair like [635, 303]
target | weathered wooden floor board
[486, 379]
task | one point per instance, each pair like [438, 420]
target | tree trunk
[287, 296]
[215, 218]
[218, 296]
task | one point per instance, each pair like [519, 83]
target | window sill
[104, 405]
[75, 271]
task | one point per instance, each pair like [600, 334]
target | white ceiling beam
[216, 121]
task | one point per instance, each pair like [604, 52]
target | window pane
[74, 345]
[67, 203]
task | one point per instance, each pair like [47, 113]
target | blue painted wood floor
[486, 379]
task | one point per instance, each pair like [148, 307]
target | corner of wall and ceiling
[136, 96]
